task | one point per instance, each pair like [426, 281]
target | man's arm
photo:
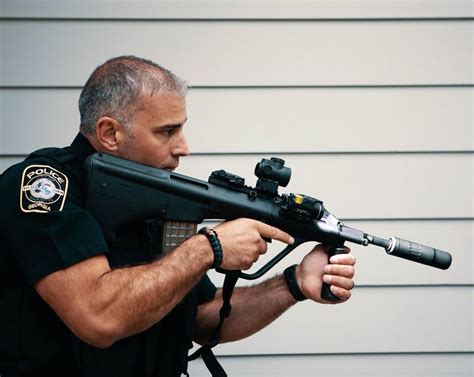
[255, 307]
[101, 305]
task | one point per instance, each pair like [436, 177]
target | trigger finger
[268, 231]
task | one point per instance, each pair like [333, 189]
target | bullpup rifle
[121, 191]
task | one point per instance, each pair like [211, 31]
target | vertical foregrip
[325, 291]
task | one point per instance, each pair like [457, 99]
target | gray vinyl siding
[281, 120]
[369, 102]
[245, 52]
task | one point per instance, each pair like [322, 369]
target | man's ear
[109, 132]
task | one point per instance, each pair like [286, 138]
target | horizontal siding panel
[234, 9]
[369, 186]
[270, 120]
[374, 320]
[41, 128]
[244, 53]
[406, 365]
[366, 190]
[5, 162]
[325, 120]
[375, 268]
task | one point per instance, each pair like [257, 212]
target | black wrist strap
[211, 235]
[291, 281]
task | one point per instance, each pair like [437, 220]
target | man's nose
[181, 148]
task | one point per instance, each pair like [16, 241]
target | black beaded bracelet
[290, 278]
[211, 235]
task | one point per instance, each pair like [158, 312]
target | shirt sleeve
[206, 290]
[41, 242]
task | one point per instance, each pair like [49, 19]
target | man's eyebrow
[173, 125]
[168, 126]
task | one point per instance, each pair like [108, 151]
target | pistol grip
[325, 290]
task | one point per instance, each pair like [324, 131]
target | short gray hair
[115, 87]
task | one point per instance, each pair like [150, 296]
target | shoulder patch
[43, 189]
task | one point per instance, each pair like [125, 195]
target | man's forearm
[101, 305]
[253, 308]
[138, 297]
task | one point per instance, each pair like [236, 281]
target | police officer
[73, 305]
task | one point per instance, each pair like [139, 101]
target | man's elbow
[99, 333]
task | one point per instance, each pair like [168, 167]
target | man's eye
[165, 132]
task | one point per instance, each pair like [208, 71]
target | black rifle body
[121, 191]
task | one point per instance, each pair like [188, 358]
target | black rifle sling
[205, 351]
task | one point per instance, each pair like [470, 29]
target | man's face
[157, 137]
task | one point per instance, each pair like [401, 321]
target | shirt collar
[81, 147]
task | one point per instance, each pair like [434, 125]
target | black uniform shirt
[44, 228]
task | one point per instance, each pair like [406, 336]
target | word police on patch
[43, 189]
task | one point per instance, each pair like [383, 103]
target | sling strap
[205, 351]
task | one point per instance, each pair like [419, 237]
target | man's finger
[339, 281]
[341, 270]
[348, 259]
[268, 231]
[263, 247]
[342, 293]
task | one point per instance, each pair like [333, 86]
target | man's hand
[314, 270]
[255, 307]
[242, 242]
